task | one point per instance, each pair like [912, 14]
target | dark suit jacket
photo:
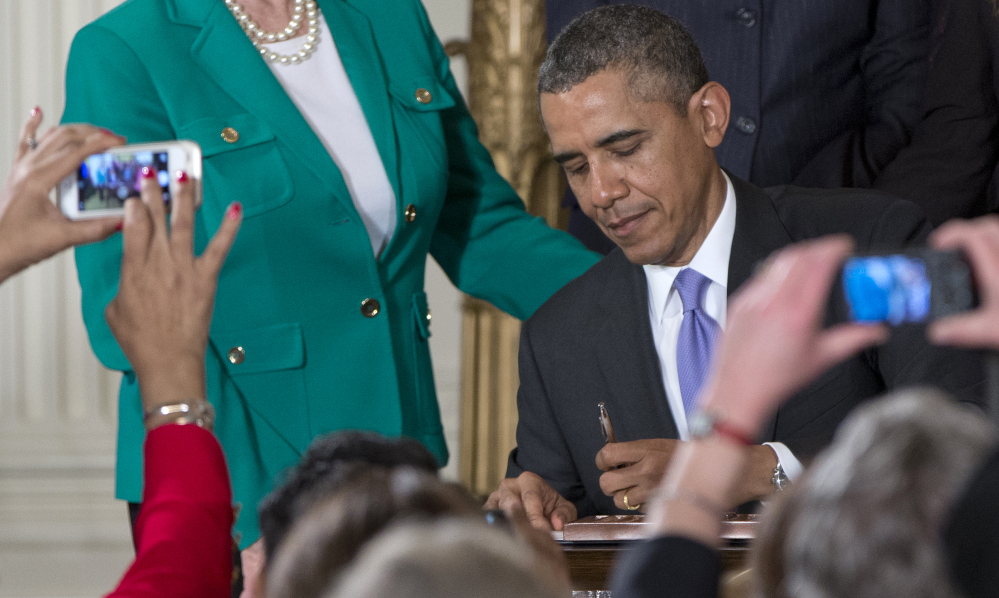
[971, 536]
[592, 341]
[824, 93]
[955, 147]
[667, 566]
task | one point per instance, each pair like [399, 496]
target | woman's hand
[31, 227]
[979, 239]
[166, 295]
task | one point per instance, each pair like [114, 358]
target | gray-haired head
[866, 520]
[458, 558]
[656, 52]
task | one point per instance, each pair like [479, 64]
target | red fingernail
[120, 226]
[181, 176]
[108, 132]
[147, 172]
[234, 211]
[35, 111]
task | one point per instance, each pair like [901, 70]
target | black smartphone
[910, 287]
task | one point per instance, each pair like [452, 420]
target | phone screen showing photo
[888, 288]
[105, 181]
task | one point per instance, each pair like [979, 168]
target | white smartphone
[100, 186]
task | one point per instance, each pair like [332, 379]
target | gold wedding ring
[627, 505]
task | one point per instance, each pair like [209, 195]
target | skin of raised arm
[166, 295]
[31, 227]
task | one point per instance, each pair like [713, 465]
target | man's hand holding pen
[633, 470]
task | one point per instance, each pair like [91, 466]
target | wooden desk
[592, 544]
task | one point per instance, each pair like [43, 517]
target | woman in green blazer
[311, 333]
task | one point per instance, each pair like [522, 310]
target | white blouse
[320, 89]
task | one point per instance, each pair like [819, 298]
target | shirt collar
[711, 258]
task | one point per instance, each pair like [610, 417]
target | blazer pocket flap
[222, 134]
[423, 94]
[279, 347]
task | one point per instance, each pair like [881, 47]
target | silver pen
[606, 428]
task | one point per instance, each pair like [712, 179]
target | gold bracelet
[199, 413]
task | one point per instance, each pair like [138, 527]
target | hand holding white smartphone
[99, 188]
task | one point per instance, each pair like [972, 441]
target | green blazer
[291, 292]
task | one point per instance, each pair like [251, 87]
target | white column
[61, 531]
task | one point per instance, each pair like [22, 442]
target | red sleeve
[184, 529]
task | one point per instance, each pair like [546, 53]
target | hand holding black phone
[909, 287]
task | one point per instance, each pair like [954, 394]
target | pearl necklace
[302, 9]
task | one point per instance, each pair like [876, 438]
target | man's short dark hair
[332, 461]
[656, 52]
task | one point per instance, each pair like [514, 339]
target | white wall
[61, 532]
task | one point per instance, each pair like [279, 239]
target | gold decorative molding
[505, 51]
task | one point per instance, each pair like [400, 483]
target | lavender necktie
[698, 332]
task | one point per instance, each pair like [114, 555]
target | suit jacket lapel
[758, 233]
[228, 56]
[627, 355]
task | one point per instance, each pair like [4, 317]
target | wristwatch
[780, 479]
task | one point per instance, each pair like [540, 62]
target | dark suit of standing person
[824, 93]
[950, 167]
[634, 121]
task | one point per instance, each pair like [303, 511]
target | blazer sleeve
[107, 85]
[948, 166]
[485, 241]
[538, 433]
[894, 68]
[184, 542]
[667, 566]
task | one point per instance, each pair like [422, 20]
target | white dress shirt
[322, 92]
[666, 313]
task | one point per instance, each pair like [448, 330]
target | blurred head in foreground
[458, 558]
[329, 464]
[325, 540]
[866, 520]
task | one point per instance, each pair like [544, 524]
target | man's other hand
[545, 508]
[634, 467]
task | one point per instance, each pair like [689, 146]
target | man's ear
[711, 106]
